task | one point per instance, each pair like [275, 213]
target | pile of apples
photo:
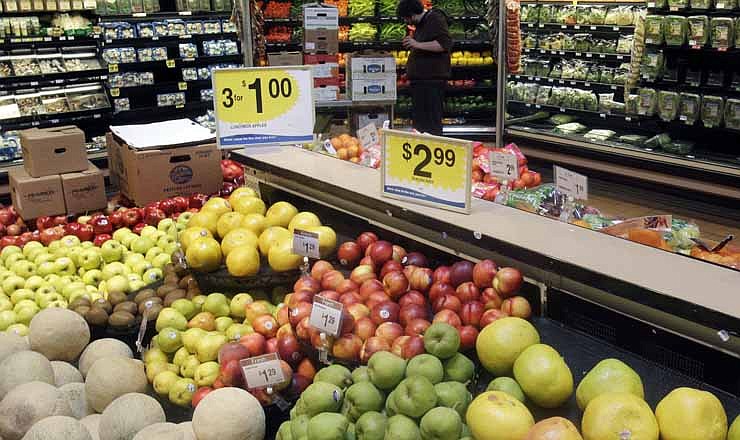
[238, 231]
[233, 177]
[487, 186]
[391, 297]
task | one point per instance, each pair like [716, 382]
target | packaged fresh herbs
[667, 105]
[674, 27]
[712, 110]
[654, 29]
[648, 101]
[722, 32]
[688, 108]
[698, 30]
[732, 114]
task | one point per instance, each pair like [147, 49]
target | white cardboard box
[373, 89]
[320, 17]
[362, 67]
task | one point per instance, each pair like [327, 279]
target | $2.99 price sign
[263, 105]
[326, 315]
[426, 169]
[262, 371]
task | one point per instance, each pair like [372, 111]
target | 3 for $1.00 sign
[425, 169]
[263, 105]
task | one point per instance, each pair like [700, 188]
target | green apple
[64, 266]
[161, 260]
[7, 318]
[459, 368]
[167, 242]
[115, 268]
[139, 267]
[152, 275]
[401, 427]
[24, 268]
[17, 329]
[222, 323]
[54, 246]
[111, 250]
[136, 285]
[88, 245]
[12, 259]
[371, 426]
[185, 306]
[236, 331]
[206, 373]
[70, 241]
[441, 424]
[24, 315]
[453, 395]
[441, 340]
[415, 396]
[128, 239]
[70, 287]
[169, 339]
[5, 304]
[35, 249]
[386, 370]
[132, 258]
[165, 223]
[42, 258]
[426, 365]
[361, 398]
[189, 365]
[181, 354]
[164, 381]
[169, 317]
[155, 236]
[184, 218]
[91, 296]
[52, 300]
[199, 300]
[239, 303]
[51, 279]
[118, 283]
[147, 231]
[4, 273]
[21, 295]
[208, 346]
[46, 268]
[181, 392]
[217, 304]
[92, 277]
[10, 250]
[90, 259]
[154, 355]
[153, 252]
[34, 282]
[118, 234]
[46, 289]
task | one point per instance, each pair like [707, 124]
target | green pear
[208, 346]
[184, 306]
[453, 395]
[188, 367]
[222, 323]
[426, 365]
[321, 397]
[191, 336]
[371, 426]
[441, 424]
[361, 398]
[327, 426]
[169, 340]
[236, 331]
[401, 427]
[178, 359]
[360, 374]
[169, 317]
[217, 304]
[238, 304]
[459, 368]
[181, 392]
[299, 427]
[335, 374]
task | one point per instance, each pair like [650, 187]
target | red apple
[390, 266]
[415, 259]
[448, 302]
[197, 201]
[299, 297]
[139, 226]
[168, 206]
[507, 281]
[231, 374]
[101, 224]
[348, 322]
[25, 238]
[51, 234]
[438, 290]
[399, 253]
[181, 203]
[254, 342]
[8, 216]
[8, 240]
[350, 298]
[408, 346]
[365, 328]
[306, 369]
[381, 251]
[358, 311]
[467, 292]
[330, 294]
[100, 239]
[289, 350]
[472, 312]
[331, 279]
[347, 286]
[266, 325]
[395, 284]
[199, 395]
[271, 345]
[152, 216]
[468, 336]
[461, 272]
[87, 233]
[365, 239]
[411, 312]
[283, 316]
[303, 329]
[362, 273]
[43, 222]
[232, 351]
[349, 253]
[371, 346]
[376, 298]
[483, 273]
[412, 297]
[491, 299]
[389, 331]
[347, 348]
[417, 327]
[385, 312]
[491, 315]
[442, 275]
[421, 279]
[319, 268]
[449, 317]
[369, 287]
[517, 306]
[13, 230]
[307, 283]
[131, 217]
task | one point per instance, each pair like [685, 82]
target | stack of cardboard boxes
[371, 76]
[320, 48]
[56, 177]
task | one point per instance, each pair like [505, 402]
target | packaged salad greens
[678, 147]
[560, 119]
[654, 29]
[667, 105]
[624, 44]
[725, 4]
[570, 128]
[648, 102]
[620, 16]
[698, 30]
[566, 15]
[631, 104]
[529, 13]
[675, 5]
[653, 64]
[543, 94]
[594, 74]
[712, 110]
[547, 13]
[633, 139]
[599, 135]
[722, 29]
[701, 4]
[688, 108]
[732, 114]
[674, 30]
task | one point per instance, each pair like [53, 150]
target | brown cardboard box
[36, 196]
[285, 59]
[149, 175]
[84, 191]
[321, 40]
[55, 150]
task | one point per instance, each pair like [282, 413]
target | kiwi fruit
[186, 281]
[103, 304]
[193, 292]
[143, 295]
[162, 291]
[81, 309]
[121, 319]
[96, 316]
[126, 306]
[149, 303]
[116, 297]
[79, 302]
[171, 279]
[173, 296]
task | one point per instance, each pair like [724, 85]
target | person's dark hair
[407, 8]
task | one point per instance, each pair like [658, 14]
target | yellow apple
[204, 255]
[249, 205]
[280, 214]
[272, 235]
[304, 220]
[228, 222]
[205, 219]
[237, 238]
[244, 261]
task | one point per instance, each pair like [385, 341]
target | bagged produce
[531, 199]
[547, 13]
[679, 147]
[716, 78]
[620, 16]
[675, 5]
[557, 70]
[725, 4]
[530, 13]
[566, 15]
[658, 141]
[701, 4]
[560, 119]
[582, 42]
[570, 128]
[542, 67]
[451, 7]
[631, 103]
[654, 29]
[682, 231]
[667, 105]
[698, 30]
[594, 74]
[712, 110]
[529, 40]
[722, 29]
[652, 66]
[732, 114]
[543, 94]
[674, 30]
[633, 139]
[624, 44]
[688, 107]
[599, 135]
[648, 102]
[607, 75]
[557, 96]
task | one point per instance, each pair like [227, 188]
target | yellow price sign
[426, 169]
[113, 68]
[263, 105]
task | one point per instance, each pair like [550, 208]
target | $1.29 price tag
[262, 371]
[306, 244]
[571, 183]
[504, 166]
[326, 315]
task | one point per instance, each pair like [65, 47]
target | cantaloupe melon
[75, 395]
[102, 348]
[160, 431]
[92, 423]
[11, 343]
[112, 377]
[65, 373]
[58, 428]
[23, 367]
[187, 430]
[129, 414]
[58, 334]
[229, 414]
[28, 403]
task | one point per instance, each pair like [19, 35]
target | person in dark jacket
[428, 67]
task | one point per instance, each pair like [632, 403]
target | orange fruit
[354, 151]
[336, 143]
[342, 153]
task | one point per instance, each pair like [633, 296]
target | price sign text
[326, 315]
[262, 371]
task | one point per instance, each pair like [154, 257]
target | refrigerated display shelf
[143, 16]
[172, 63]
[575, 54]
[50, 120]
[8, 43]
[144, 41]
[578, 27]
[53, 79]
[566, 110]
[570, 82]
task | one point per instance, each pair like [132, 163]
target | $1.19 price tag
[306, 244]
[571, 183]
[326, 315]
[504, 166]
[262, 371]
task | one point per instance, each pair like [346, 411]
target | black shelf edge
[565, 82]
[168, 39]
[179, 62]
[9, 43]
[23, 13]
[48, 120]
[144, 16]
[695, 49]
[567, 110]
[161, 87]
[53, 79]
[576, 54]
[577, 27]
[710, 12]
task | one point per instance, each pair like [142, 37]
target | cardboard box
[362, 119]
[371, 65]
[55, 150]
[372, 89]
[321, 82]
[84, 191]
[321, 40]
[150, 175]
[320, 17]
[327, 93]
[285, 59]
[36, 196]
[322, 65]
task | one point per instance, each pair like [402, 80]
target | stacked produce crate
[320, 47]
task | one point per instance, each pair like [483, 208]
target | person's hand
[409, 43]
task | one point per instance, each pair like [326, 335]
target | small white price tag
[504, 166]
[326, 315]
[368, 135]
[262, 371]
[306, 243]
[571, 183]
